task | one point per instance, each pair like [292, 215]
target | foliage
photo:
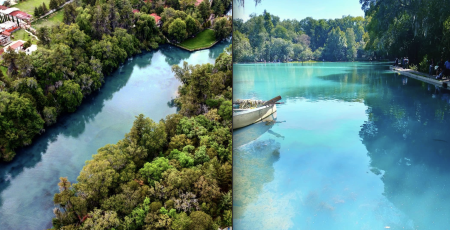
[19, 122]
[410, 29]
[133, 185]
[222, 28]
[201, 82]
[177, 30]
[71, 62]
[266, 38]
[154, 170]
[424, 65]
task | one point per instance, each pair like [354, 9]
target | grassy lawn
[24, 36]
[51, 20]
[29, 5]
[203, 39]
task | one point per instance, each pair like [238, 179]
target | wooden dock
[420, 76]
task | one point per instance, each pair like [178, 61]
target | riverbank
[29, 182]
[420, 76]
[192, 41]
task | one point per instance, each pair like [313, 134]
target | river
[144, 84]
[355, 146]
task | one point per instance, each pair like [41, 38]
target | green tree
[153, 170]
[192, 26]
[44, 8]
[281, 32]
[177, 30]
[69, 95]
[268, 25]
[36, 12]
[200, 220]
[222, 28]
[242, 51]
[53, 4]
[204, 9]
[351, 44]
[336, 45]
[19, 123]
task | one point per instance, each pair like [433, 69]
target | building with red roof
[17, 45]
[21, 15]
[5, 39]
[135, 11]
[157, 18]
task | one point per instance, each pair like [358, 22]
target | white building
[16, 46]
[31, 49]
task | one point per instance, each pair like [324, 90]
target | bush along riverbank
[71, 62]
[171, 174]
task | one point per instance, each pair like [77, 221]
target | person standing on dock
[441, 66]
[403, 62]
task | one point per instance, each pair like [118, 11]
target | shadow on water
[250, 133]
[217, 49]
[253, 167]
[253, 162]
[174, 55]
[408, 139]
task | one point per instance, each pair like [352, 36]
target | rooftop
[135, 11]
[9, 10]
[20, 15]
[8, 24]
[157, 18]
[16, 45]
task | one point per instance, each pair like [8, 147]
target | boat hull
[252, 116]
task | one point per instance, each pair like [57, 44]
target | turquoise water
[355, 146]
[144, 84]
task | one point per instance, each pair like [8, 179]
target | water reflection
[143, 84]
[363, 148]
[250, 133]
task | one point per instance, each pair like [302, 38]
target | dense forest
[171, 174]
[74, 57]
[267, 38]
[417, 29]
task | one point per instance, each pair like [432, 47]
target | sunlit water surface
[144, 84]
[355, 146]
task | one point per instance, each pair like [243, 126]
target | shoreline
[420, 76]
[45, 127]
[301, 62]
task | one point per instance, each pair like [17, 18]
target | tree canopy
[174, 174]
[267, 38]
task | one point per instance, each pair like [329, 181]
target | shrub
[423, 65]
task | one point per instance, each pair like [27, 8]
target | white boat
[245, 117]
